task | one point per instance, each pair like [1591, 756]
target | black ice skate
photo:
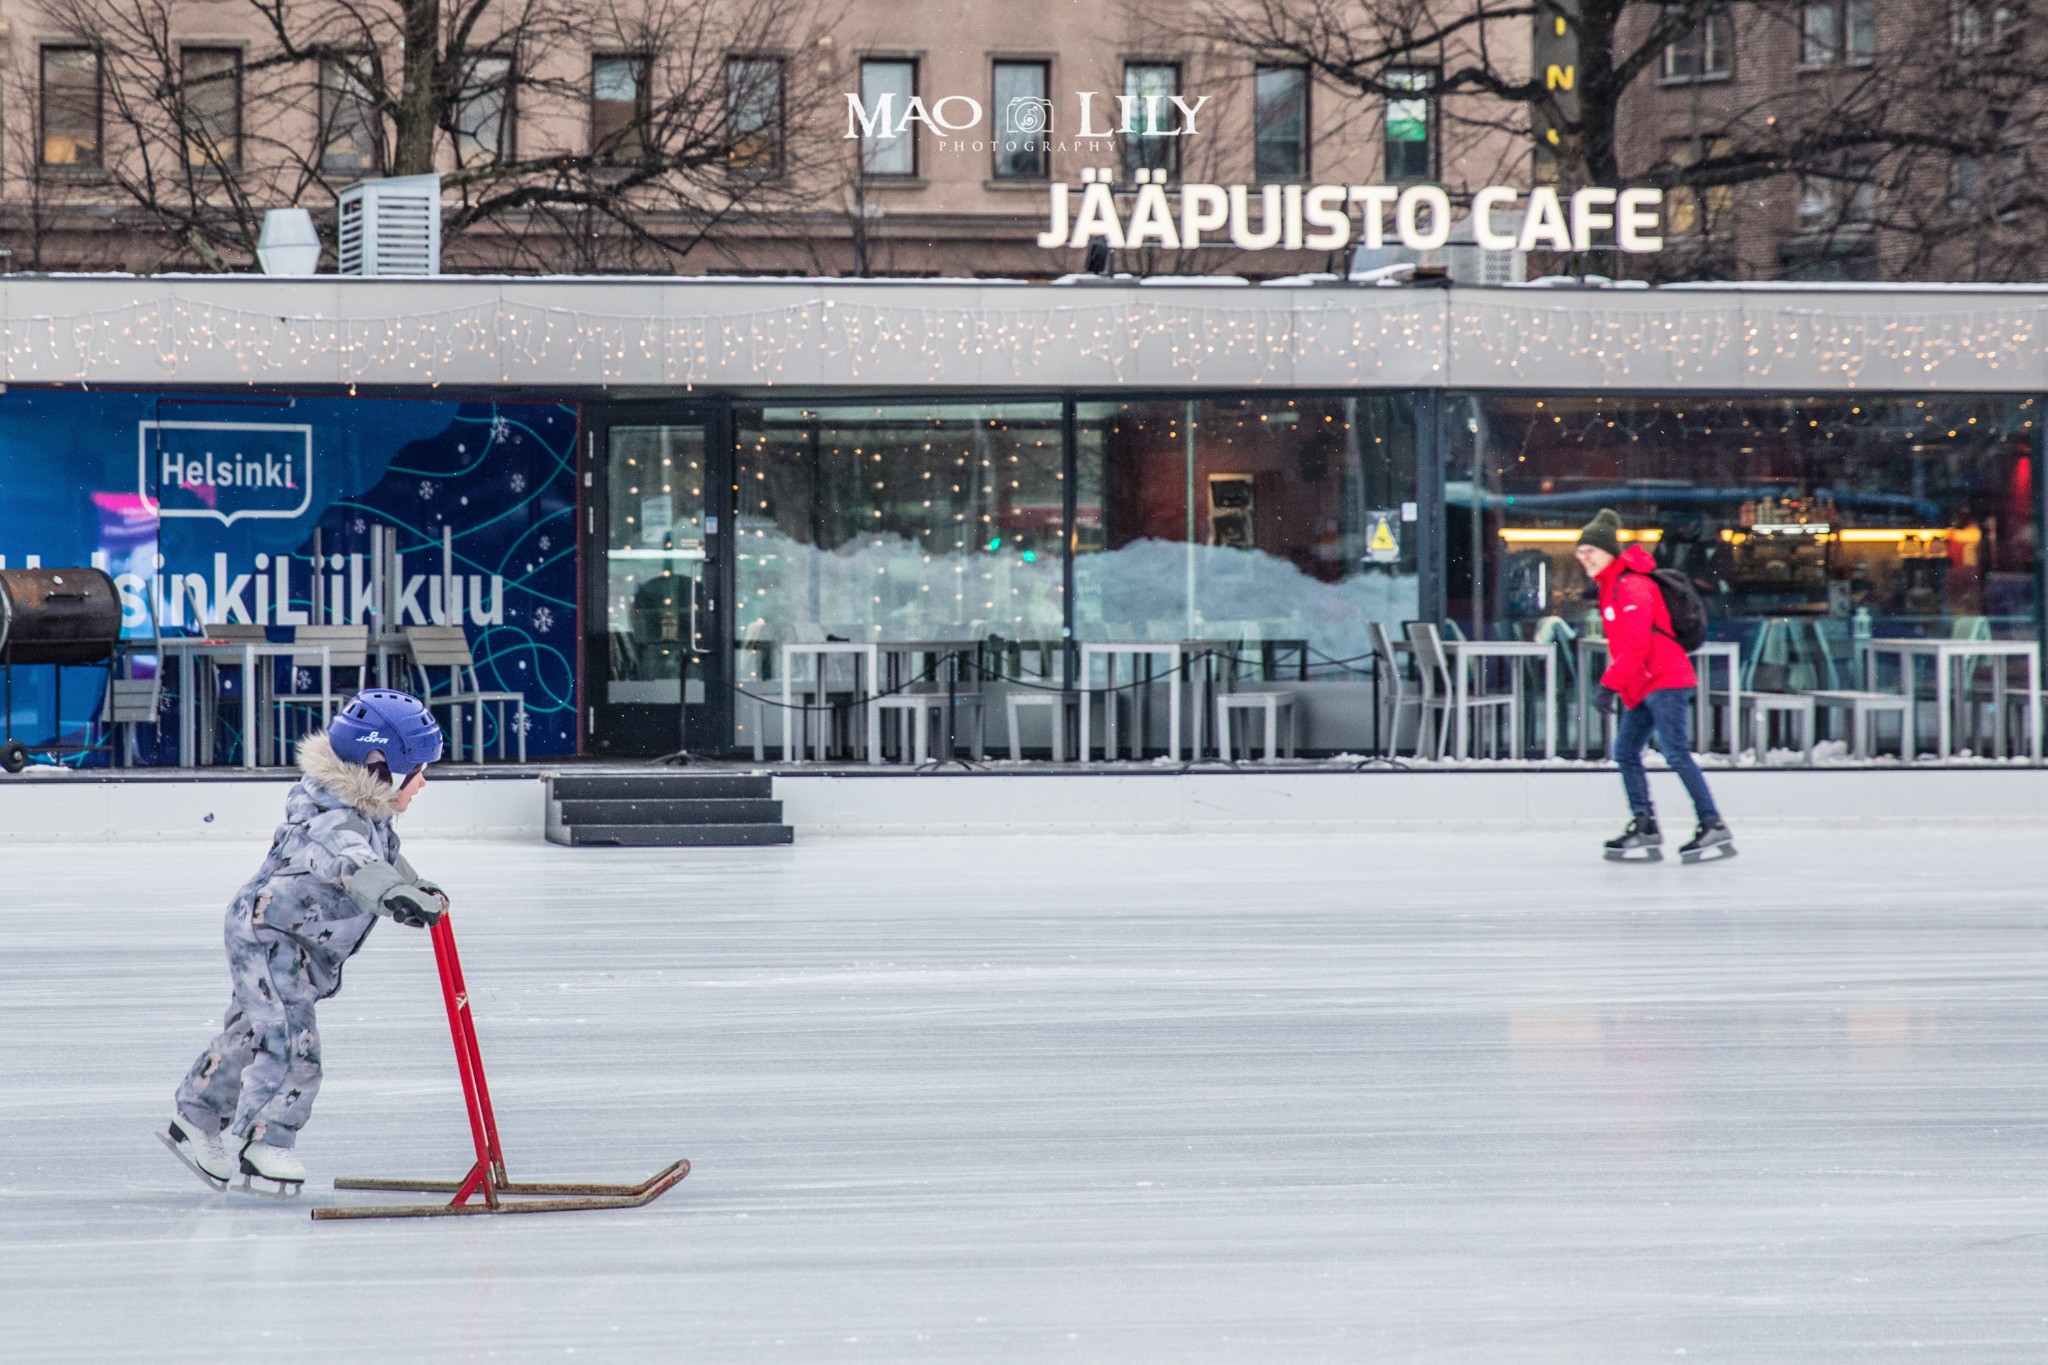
[1711, 840]
[1639, 843]
[203, 1153]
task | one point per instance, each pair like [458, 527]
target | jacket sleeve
[338, 850]
[1629, 637]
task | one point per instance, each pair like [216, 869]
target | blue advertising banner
[205, 510]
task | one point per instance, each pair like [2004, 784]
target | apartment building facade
[771, 137]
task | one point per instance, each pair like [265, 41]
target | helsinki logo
[229, 471]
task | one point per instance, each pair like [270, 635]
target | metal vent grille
[391, 227]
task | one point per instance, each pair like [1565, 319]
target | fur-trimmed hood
[352, 783]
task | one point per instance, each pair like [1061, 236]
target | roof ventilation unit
[391, 227]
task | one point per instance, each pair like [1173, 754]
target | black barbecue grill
[56, 619]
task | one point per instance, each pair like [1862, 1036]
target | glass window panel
[349, 141]
[754, 112]
[1152, 144]
[1280, 137]
[71, 107]
[1806, 524]
[483, 113]
[211, 78]
[1411, 126]
[911, 522]
[654, 557]
[886, 89]
[1023, 121]
[1820, 33]
[1266, 521]
[1862, 26]
[618, 106]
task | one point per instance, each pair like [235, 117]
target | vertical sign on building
[1555, 116]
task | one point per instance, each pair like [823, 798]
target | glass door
[654, 666]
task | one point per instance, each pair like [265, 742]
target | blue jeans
[1667, 713]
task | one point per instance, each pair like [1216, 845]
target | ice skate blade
[1714, 854]
[278, 1189]
[214, 1182]
[1635, 855]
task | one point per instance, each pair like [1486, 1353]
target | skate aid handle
[416, 907]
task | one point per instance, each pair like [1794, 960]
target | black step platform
[664, 810]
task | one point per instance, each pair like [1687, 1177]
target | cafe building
[656, 509]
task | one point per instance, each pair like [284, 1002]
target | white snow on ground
[1405, 1098]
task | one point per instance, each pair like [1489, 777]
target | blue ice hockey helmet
[397, 723]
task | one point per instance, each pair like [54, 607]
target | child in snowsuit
[332, 869]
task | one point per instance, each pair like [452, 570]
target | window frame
[363, 99]
[1713, 22]
[508, 111]
[907, 136]
[1128, 145]
[1429, 96]
[99, 109]
[1810, 59]
[609, 149]
[1301, 172]
[233, 160]
[778, 126]
[1000, 126]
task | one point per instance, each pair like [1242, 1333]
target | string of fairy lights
[1125, 337]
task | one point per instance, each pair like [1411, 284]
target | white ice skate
[203, 1153]
[274, 1165]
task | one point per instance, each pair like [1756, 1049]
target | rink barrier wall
[1137, 802]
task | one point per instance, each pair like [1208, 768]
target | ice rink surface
[1386, 1098]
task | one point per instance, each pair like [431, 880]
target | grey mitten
[416, 907]
[1607, 701]
[404, 895]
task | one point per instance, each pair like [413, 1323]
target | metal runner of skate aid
[484, 1189]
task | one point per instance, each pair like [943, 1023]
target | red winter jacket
[1645, 656]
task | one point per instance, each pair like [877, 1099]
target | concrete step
[672, 836]
[660, 786]
[666, 811]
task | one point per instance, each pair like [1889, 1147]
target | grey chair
[1440, 695]
[447, 648]
[348, 651]
[1395, 699]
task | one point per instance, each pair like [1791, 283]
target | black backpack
[1688, 613]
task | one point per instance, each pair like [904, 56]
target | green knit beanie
[1603, 531]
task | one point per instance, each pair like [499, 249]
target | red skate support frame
[484, 1189]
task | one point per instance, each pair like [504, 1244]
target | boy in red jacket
[1651, 674]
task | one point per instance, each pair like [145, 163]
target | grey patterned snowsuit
[289, 930]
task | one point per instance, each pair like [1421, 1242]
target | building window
[1280, 123]
[1978, 25]
[71, 107]
[1703, 52]
[888, 145]
[1987, 187]
[348, 119]
[1845, 198]
[1153, 142]
[1780, 510]
[1023, 121]
[483, 113]
[1699, 210]
[753, 111]
[210, 86]
[618, 106]
[1411, 125]
[1832, 31]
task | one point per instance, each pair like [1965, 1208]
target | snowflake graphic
[426, 490]
[518, 483]
[302, 679]
[524, 724]
[543, 620]
[360, 526]
[545, 542]
[501, 429]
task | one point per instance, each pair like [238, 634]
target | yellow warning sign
[1382, 540]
